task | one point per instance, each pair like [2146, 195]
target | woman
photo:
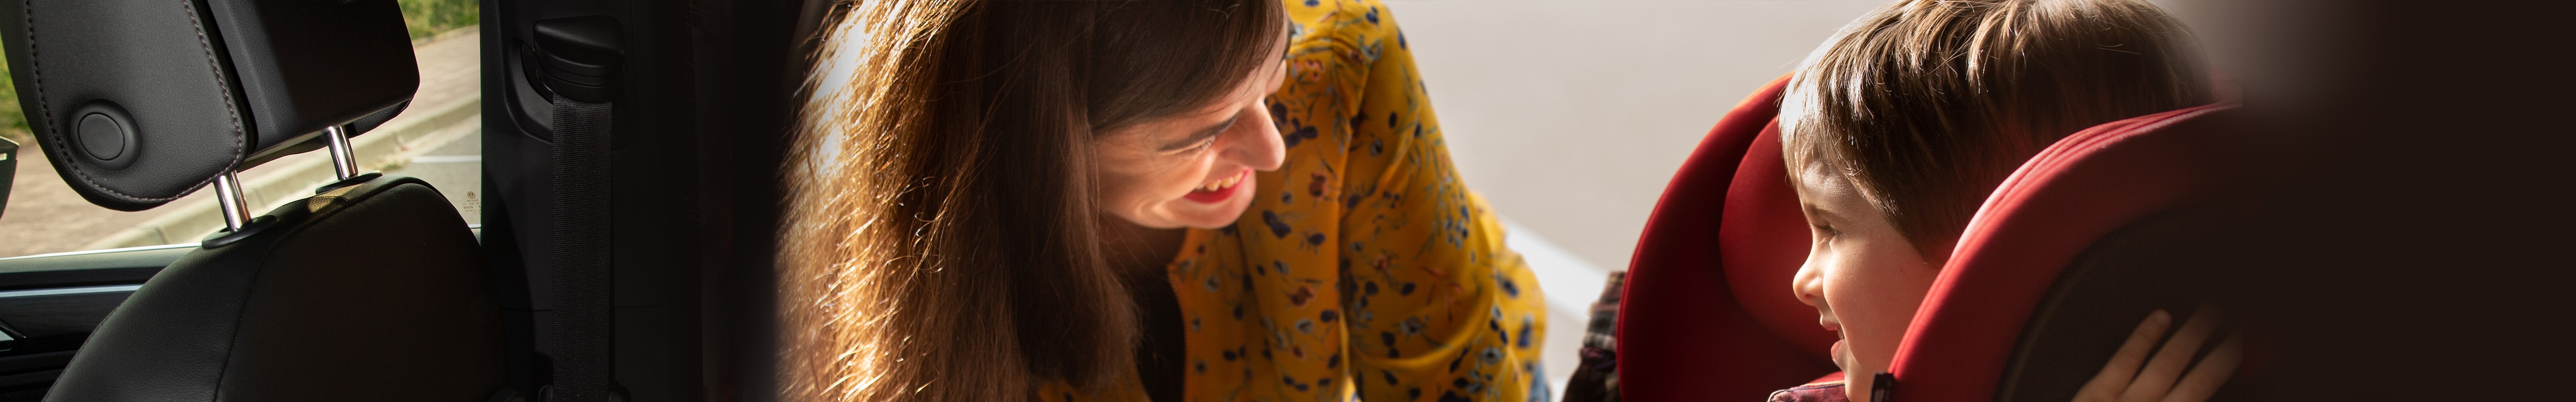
[1138, 200]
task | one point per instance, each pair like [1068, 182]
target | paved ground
[43, 215]
[456, 169]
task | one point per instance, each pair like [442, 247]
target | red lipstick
[1220, 190]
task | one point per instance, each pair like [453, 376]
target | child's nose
[1809, 284]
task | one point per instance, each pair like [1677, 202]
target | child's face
[1864, 279]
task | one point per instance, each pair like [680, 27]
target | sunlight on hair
[842, 327]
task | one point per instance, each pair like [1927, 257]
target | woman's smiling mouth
[1220, 190]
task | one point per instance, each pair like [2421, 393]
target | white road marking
[447, 159]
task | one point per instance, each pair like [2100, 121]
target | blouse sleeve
[1438, 308]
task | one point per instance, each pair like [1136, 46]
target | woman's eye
[1202, 143]
[1195, 147]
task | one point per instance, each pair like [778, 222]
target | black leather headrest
[139, 102]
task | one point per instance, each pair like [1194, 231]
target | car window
[436, 139]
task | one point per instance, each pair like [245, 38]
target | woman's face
[1193, 169]
[1864, 279]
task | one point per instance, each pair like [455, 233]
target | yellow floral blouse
[1364, 268]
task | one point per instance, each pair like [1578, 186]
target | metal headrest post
[228, 197]
[344, 162]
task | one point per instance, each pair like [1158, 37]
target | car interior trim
[12, 294]
[102, 251]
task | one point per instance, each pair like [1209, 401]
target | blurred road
[45, 216]
[456, 169]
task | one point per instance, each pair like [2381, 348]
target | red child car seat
[2071, 252]
[1708, 315]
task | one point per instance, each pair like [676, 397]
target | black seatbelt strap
[580, 345]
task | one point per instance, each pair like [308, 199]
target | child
[1901, 124]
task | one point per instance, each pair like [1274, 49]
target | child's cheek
[1880, 288]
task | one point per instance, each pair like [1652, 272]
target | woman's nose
[1258, 146]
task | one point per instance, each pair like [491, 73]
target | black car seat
[373, 289]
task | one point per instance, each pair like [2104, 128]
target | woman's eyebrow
[1203, 134]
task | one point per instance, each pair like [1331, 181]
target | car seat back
[371, 291]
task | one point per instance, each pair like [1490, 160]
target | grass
[422, 17]
[430, 17]
[13, 124]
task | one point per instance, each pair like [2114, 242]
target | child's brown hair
[1926, 105]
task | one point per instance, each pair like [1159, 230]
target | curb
[294, 176]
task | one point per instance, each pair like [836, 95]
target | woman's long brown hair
[939, 240]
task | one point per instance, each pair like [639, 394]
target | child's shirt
[1829, 391]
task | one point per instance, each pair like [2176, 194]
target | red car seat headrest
[2116, 209]
[1706, 313]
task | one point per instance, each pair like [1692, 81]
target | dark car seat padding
[368, 292]
[304, 65]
